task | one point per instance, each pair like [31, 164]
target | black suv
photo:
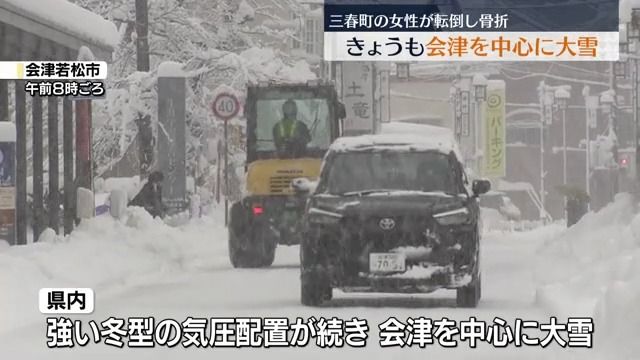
[391, 215]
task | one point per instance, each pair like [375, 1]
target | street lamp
[562, 102]
[545, 96]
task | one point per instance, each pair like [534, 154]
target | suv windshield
[412, 171]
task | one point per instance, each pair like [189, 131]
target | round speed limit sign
[225, 106]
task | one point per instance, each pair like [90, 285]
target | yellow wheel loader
[268, 214]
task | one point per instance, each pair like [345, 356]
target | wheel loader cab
[289, 129]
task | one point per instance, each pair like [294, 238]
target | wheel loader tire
[260, 252]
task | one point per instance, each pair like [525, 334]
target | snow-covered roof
[398, 127]
[66, 17]
[397, 142]
[171, 69]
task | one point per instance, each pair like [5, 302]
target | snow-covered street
[176, 273]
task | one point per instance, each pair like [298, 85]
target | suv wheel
[261, 252]
[315, 284]
[314, 287]
[268, 253]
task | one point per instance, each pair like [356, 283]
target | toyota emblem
[387, 224]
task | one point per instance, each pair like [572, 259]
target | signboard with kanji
[512, 30]
[465, 104]
[495, 130]
[384, 96]
[358, 97]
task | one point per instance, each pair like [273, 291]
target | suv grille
[408, 231]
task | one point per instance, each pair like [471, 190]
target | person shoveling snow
[150, 196]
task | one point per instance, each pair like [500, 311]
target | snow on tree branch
[218, 43]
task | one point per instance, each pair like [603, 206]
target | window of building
[295, 39]
[309, 36]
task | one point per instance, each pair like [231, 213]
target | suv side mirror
[480, 187]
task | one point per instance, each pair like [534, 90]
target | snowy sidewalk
[593, 269]
[106, 255]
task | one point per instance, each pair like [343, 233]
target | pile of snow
[107, 255]
[593, 269]
[67, 16]
[493, 220]
[171, 69]
[131, 185]
[415, 272]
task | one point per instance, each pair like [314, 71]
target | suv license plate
[386, 262]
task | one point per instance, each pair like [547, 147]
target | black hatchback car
[391, 214]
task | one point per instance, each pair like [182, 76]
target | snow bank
[65, 15]
[106, 255]
[593, 269]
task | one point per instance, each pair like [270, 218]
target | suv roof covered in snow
[397, 142]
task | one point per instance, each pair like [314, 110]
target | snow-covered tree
[219, 44]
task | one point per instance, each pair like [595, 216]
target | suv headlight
[319, 216]
[453, 217]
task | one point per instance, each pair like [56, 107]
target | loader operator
[290, 135]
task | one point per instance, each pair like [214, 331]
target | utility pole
[564, 147]
[636, 126]
[145, 135]
[142, 35]
[591, 105]
[613, 126]
[561, 99]
[545, 117]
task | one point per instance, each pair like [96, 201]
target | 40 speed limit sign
[225, 106]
